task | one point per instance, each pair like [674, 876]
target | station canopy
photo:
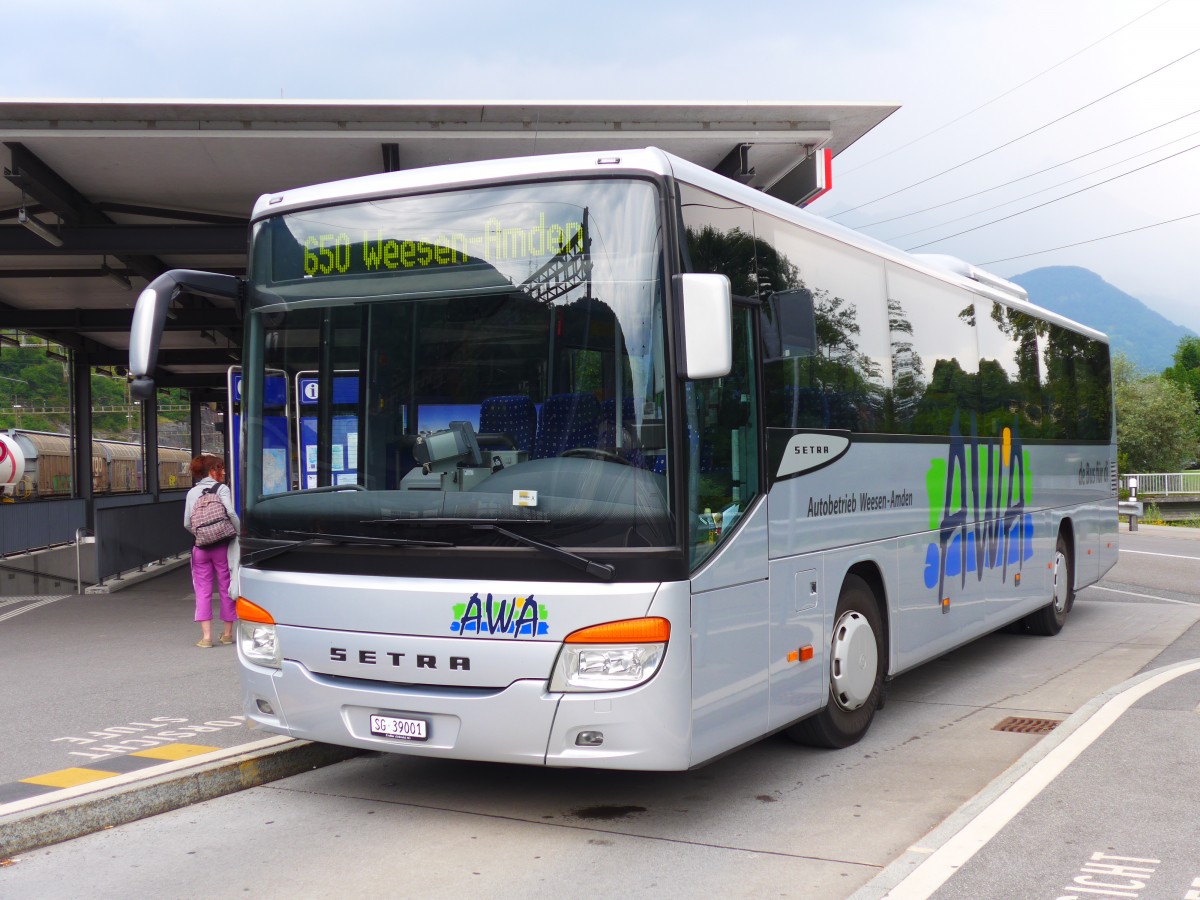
[99, 197]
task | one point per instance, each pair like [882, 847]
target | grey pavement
[1124, 813]
[1108, 805]
[107, 694]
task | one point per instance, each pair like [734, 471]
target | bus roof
[655, 162]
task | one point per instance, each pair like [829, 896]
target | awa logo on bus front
[518, 617]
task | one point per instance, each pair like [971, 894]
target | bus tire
[1049, 620]
[856, 670]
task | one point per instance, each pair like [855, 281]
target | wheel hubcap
[1060, 583]
[855, 661]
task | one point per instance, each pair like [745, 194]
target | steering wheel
[596, 453]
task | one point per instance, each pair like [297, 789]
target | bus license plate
[399, 729]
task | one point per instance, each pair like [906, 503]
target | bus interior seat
[511, 414]
[566, 421]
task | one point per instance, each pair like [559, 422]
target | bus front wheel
[1049, 620]
[856, 670]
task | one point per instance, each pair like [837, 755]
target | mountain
[1146, 337]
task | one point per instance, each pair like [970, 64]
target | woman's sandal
[227, 639]
[203, 643]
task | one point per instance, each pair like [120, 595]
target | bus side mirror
[707, 308]
[150, 317]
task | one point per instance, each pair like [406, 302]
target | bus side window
[794, 398]
[722, 413]
[722, 443]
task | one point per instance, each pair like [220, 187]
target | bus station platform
[111, 714]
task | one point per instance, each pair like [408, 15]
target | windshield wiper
[344, 539]
[603, 571]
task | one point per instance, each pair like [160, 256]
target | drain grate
[1023, 725]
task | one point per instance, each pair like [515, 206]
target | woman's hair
[205, 463]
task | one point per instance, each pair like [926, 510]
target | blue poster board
[277, 460]
[344, 446]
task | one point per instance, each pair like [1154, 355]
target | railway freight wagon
[116, 466]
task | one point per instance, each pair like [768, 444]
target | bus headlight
[612, 656]
[257, 636]
[259, 644]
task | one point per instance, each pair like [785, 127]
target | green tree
[35, 392]
[1186, 370]
[1124, 370]
[1156, 420]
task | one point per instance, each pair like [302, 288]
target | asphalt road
[771, 820]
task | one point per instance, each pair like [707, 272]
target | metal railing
[1163, 484]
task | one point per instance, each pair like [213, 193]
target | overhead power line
[1106, 237]
[1022, 137]
[1011, 90]
[1055, 200]
[895, 237]
[1021, 178]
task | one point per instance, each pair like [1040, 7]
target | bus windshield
[491, 355]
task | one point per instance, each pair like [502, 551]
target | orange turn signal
[804, 654]
[650, 630]
[252, 612]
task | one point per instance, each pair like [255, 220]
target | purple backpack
[210, 519]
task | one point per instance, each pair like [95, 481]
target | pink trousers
[207, 561]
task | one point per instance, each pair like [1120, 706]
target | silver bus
[606, 460]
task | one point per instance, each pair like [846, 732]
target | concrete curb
[119, 582]
[89, 810]
[904, 865]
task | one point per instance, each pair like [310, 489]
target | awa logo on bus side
[518, 617]
[981, 522]
[811, 450]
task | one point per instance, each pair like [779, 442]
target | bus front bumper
[522, 723]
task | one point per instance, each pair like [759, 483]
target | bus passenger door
[729, 555]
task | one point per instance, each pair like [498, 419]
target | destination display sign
[303, 250]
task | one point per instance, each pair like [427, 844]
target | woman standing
[208, 476]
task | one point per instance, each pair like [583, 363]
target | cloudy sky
[1006, 105]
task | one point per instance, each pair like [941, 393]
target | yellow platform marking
[174, 751]
[65, 778]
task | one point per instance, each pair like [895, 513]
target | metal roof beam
[181, 215]
[128, 241]
[56, 194]
[736, 164]
[115, 319]
[69, 339]
[213, 381]
[214, 356]
[48, 188]
[93, 272]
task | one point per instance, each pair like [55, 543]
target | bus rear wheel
[856, 670]
[1049, 620]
